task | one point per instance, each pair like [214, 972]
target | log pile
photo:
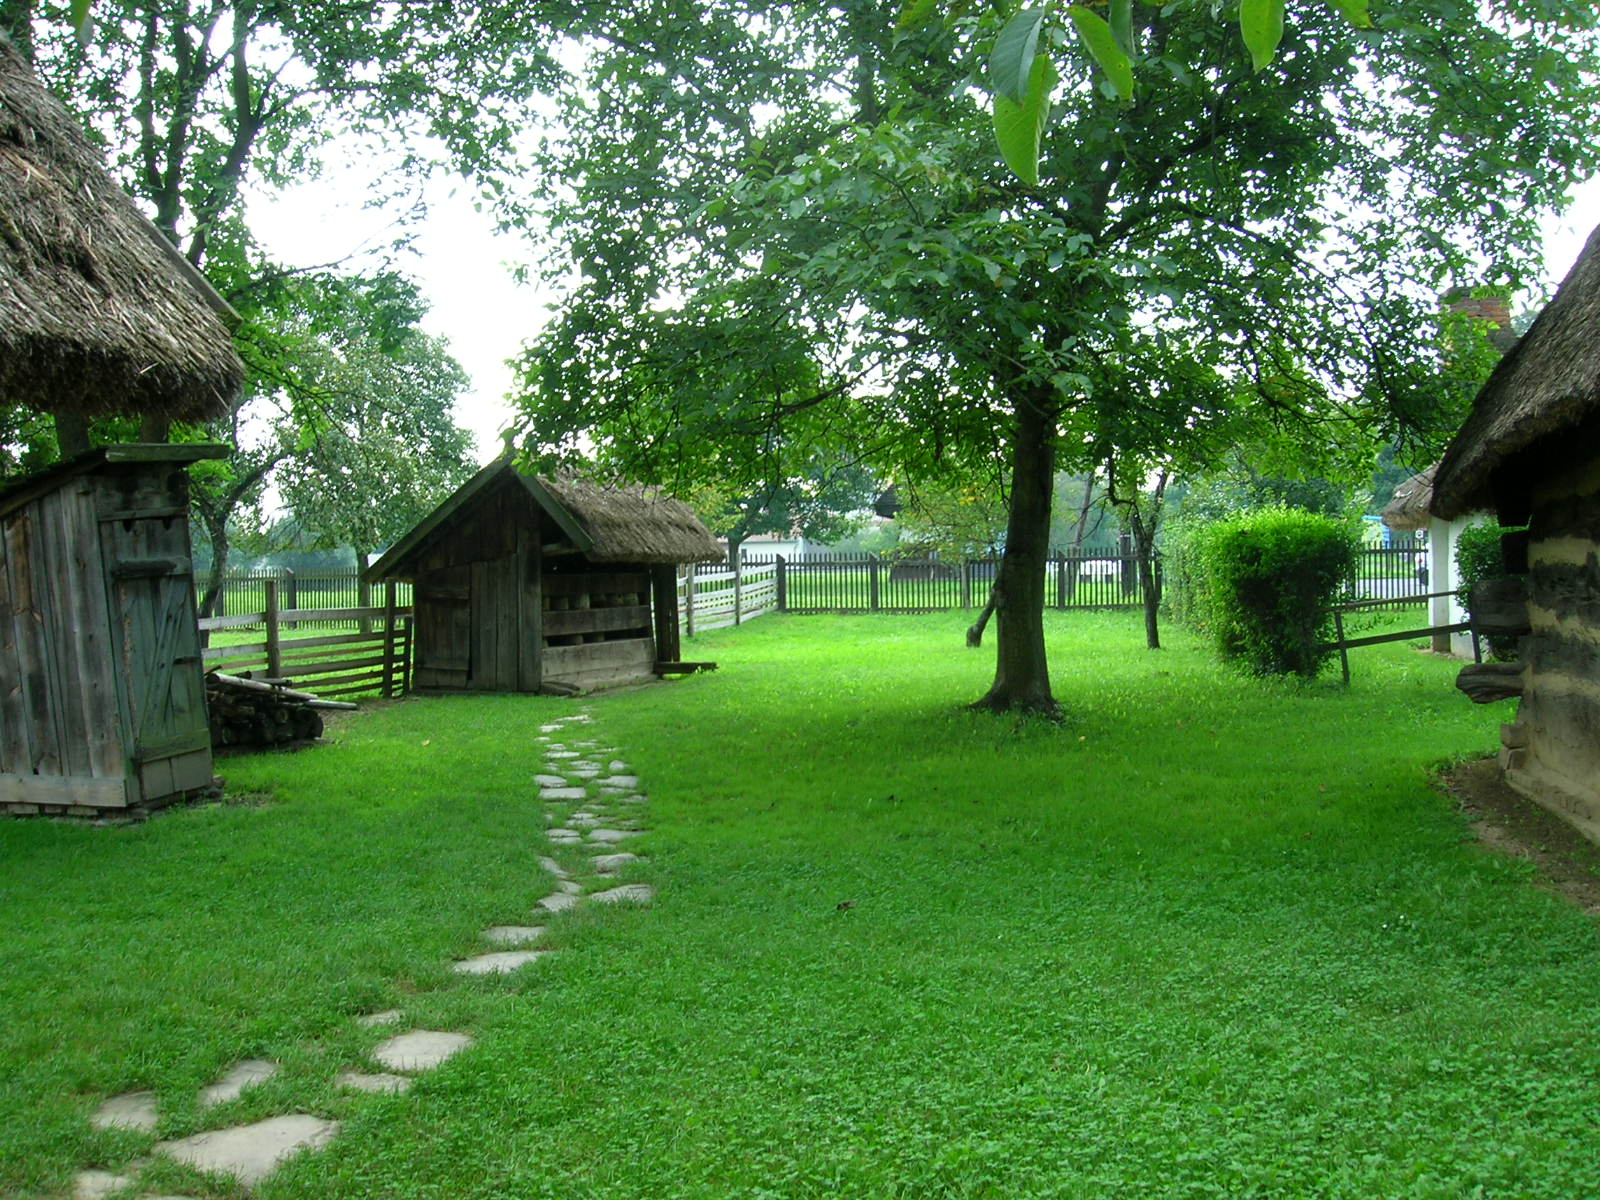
[254, 712]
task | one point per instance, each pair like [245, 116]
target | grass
[1214, 936]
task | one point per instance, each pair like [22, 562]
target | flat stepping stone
[513, 935]
[551, 865]
[545, 781]
[561, 754]
[131, 1110]
[626, 782]
[569, 886]
[389, 1016]
[499, 962]
[373, 1081]
[252, 1152]
[419, 1050]
[562, 793]
[636, 798]
[585, 820]
[91, 1185]
[559, 902]
[555, 727]
[610, 864]
[616, 765]
[564, 835]
[232, 1085]
[586, 772]
[608, 837]
[628, 893]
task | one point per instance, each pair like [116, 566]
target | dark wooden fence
[244, 592]
[371, 656]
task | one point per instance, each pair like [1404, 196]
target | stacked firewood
[259, 712]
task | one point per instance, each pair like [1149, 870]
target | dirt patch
[1564, 861]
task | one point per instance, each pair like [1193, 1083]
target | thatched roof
[635, 524]
[96, 317]
[1549, 383]
[1408, 510]
[607, 525]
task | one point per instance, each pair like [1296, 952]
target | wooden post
[664, 586]
[405, 655]
[738, 591]
[274, 653]
[780, 580]
[872, 583]
[1061, 581]
[291, 594]
[688, 600]
[1344, 654]
[389, 639]
[966, 583]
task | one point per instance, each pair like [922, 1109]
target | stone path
[582, 802]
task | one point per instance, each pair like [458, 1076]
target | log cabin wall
[101, 693]
[1559, 717]
[477, 599]
[597, 622]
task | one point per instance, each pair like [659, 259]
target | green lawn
[1214, 936]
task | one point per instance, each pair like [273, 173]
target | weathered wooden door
[156, 644]
[444, 628]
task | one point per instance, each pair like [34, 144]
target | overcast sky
[464, 269]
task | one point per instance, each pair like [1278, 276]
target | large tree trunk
[217, 535]
[1022, 675]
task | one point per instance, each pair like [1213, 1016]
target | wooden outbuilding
[102, 701]
[1530, 453]
[527, 584]
[101, 693]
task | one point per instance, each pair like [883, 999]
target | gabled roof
[1549, 383]
[625, 525]
[25, 491]
[98, 314]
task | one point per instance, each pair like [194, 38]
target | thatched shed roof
[607, 525]
[96, 317]
[1547, 384]
[1408, 510]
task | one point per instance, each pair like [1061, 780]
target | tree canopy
[793, 231]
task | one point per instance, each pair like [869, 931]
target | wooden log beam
[1485, 683]
[1500, 607]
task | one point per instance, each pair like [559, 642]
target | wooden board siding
[102, 701]
[601, 664]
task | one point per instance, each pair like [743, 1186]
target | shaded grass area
[1213, 936]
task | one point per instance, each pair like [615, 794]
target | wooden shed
[102, 701]
[101, 692]
[1530, 453]
[526, 584]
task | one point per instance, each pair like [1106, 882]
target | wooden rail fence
[372, 657]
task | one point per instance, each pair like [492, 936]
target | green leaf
[1018, 128]
[914, 13]
[1101, 43]
[78, 18]
[1121, 20]
[1356, 12]
[1013, 60]
[1261, 22]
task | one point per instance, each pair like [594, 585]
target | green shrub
[1479, 556]
[1271, 578]
[1185, 594]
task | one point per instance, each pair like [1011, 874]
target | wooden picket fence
[370, 656]
[718, 596]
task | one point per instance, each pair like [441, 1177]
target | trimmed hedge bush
[1270, 578]
[1479, 556]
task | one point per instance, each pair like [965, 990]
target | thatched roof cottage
[99, 314]
[101, 697]
[1408, 512]
[526, 584]
[1530, 453]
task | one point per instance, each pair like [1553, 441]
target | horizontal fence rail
[373, 656]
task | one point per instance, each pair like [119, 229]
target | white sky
[464, 269]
